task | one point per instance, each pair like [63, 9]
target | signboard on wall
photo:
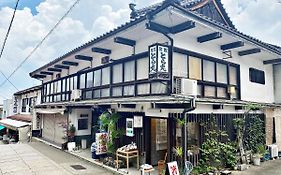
[159, 61]
[137, 121]
[15, 108]
[130, 127]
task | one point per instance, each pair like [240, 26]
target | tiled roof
[155, 8]
[34, 88]
[21, 117]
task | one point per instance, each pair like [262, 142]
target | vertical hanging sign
[153, 59]
[159, 61]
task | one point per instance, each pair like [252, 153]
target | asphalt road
[40, 159]
[272, 167]
[66, 160]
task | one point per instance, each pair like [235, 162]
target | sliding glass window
[221, 73]
[106, 76]
[82, 81]
[97, 78]
[208, 71]
[129, 71]
[142, 68]
[89, 81]
[117, 73]
[195, 68]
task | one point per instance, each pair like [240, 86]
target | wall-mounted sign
[137, 121]
[15, 108]
[173, 168]
[130, 127]
[159, 61]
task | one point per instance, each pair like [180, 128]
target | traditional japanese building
[175, 59]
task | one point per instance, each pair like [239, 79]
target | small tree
[109, 124]
[216, 154]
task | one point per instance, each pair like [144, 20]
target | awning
[50, 111]
[2, 127]
[13, 124]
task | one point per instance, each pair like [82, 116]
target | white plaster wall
[73, 119]
[249, 91]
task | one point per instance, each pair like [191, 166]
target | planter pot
[257, 161]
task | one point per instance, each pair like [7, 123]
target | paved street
[40, 159]
[272, 167]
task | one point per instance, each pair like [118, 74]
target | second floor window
[24, 104]
[256, 76]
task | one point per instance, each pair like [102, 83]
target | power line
[5, 40]
[41, 42]
[9, 29]
[9, 80]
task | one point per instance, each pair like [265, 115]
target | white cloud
[258, 18]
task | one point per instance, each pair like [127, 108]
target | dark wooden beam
[101, 50]
[61, 66]
[125, 41]
[39, 76]
[232, 45]
[209, 37]
[273, 61]
[70, 63]
[248, 52]
[54, 69]
[46, 73]
[82, 57]
[157, 27]
[182, 27]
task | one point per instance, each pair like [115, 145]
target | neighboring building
[18, 122]
[172, 60]
[1, 111]
[7, 108]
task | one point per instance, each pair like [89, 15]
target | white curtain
[142, 68]
[105, 76]
[221, 73]
[208, 70]
[129, 71]
[97, 78]
[117, 73]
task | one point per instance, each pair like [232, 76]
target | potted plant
[71, 132]
[260, 152]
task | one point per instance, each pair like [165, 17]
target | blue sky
[91, 18]
[31, 4]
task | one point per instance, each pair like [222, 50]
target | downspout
[185, 144]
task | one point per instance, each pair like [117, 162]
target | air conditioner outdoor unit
[185, 86]
[273, 151]
[76, 94]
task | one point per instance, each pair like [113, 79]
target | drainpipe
[185, 144]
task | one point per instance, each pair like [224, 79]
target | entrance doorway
[159, 141]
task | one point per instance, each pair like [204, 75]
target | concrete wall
[7, 108]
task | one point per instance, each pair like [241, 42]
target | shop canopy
[2, 127]
[13, 124]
